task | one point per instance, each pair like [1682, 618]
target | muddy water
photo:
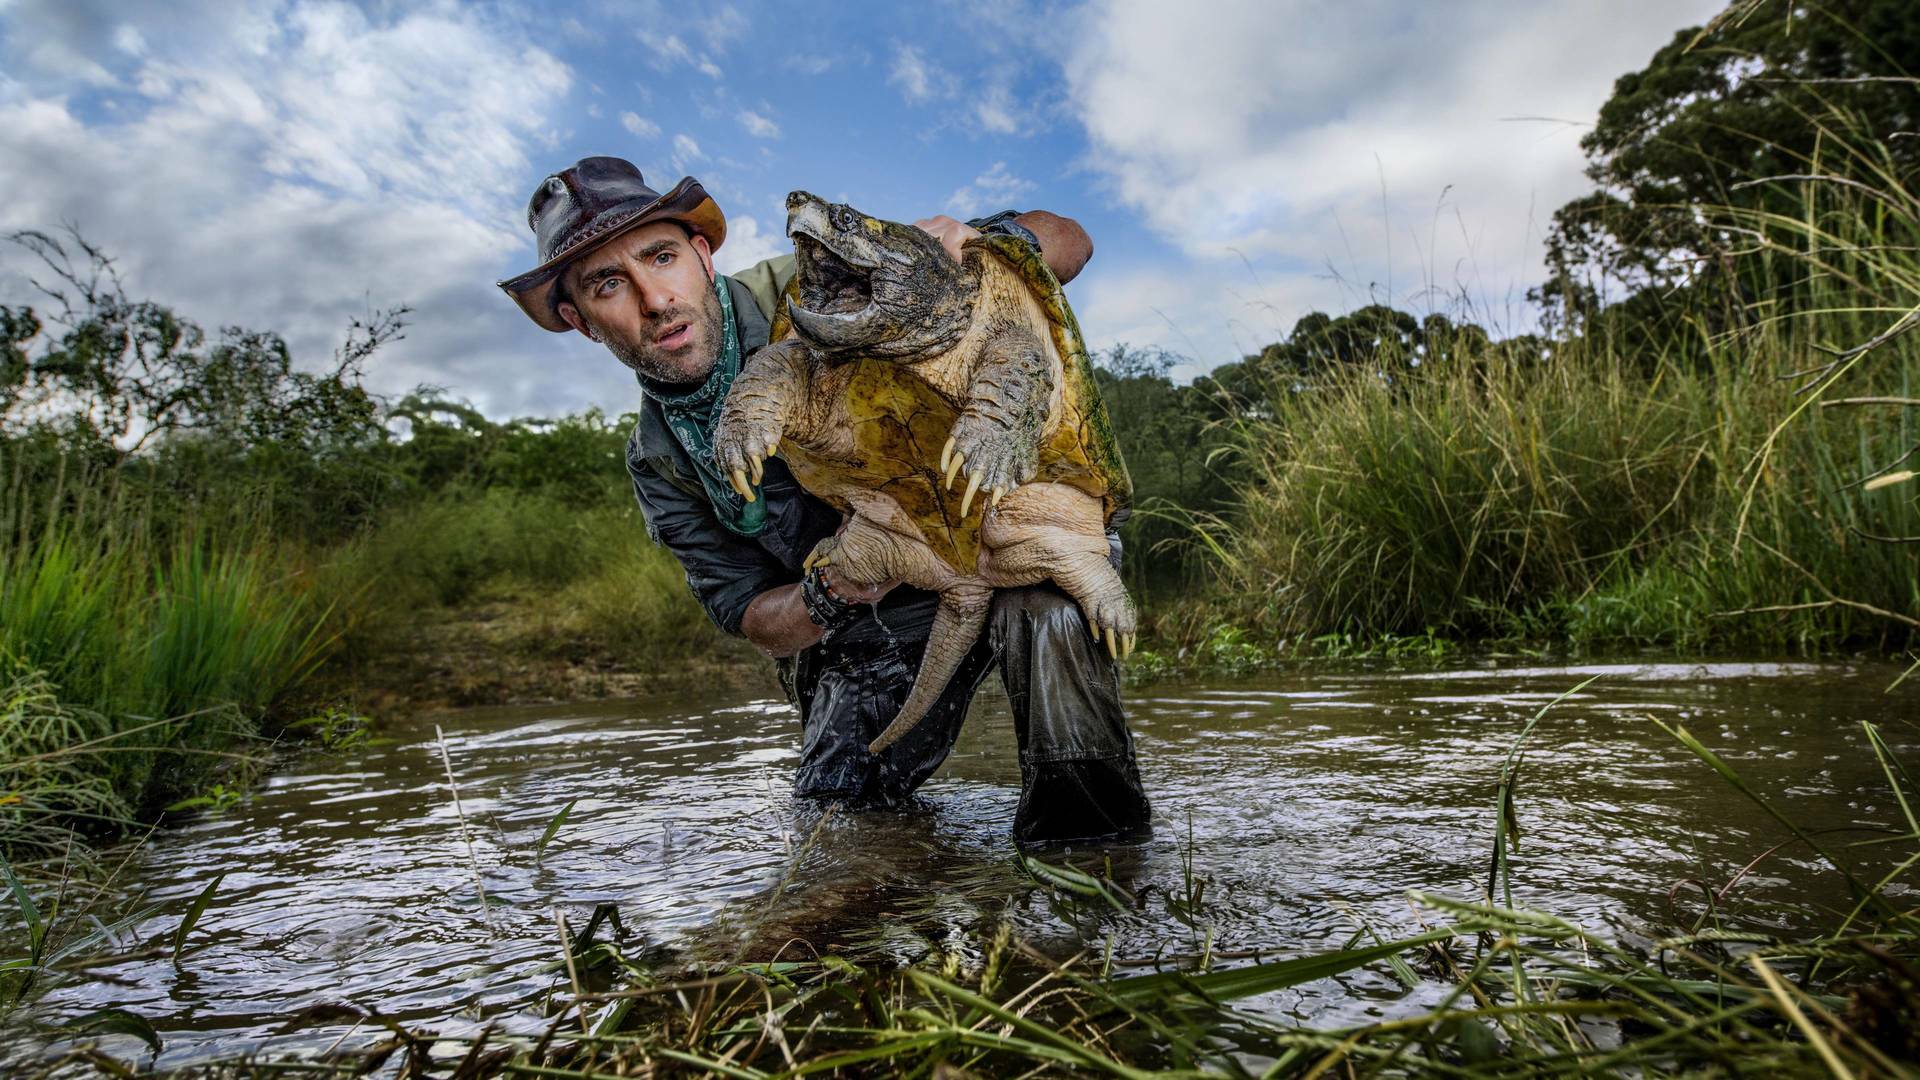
[1307, 802]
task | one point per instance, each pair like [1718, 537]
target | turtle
[892, 371]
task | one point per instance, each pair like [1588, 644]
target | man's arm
[777, 623]
[725, 572]
[1064, 246]
[738, 584]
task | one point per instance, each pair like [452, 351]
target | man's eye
[606, 287]
[663, 258]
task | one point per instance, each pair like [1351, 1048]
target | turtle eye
[844, 218]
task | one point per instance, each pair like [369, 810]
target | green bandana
[691, 417]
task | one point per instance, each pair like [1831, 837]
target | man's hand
[949, 232]
[856, 594]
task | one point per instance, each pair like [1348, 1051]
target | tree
[136, 372]
[1752, 95]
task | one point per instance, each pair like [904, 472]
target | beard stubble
[657, 364]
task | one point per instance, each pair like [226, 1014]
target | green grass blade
[1897, 776]
[194, 911]
[553, 826]
[29, 911]
[1263, 978]
[114, 1021]
[1085, 1055]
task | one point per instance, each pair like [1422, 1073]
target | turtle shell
[1083, 450]
[901, 422]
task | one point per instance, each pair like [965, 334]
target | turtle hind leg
[1056, 532]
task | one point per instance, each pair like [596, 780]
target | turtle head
[873, 287]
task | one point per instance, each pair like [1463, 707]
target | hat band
[605, 224]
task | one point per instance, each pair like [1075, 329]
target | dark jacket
[724, 570]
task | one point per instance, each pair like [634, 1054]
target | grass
[576, 583]
[138, 658]
[130, 671]
[1606, 496]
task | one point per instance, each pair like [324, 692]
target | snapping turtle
[893, 370]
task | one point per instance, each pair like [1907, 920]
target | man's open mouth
[676, 335]
[829, 284]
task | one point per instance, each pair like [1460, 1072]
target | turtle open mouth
[829, 284]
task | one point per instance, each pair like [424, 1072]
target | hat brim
[688, 203]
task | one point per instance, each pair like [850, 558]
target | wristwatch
[824, 609]
[1004, 223]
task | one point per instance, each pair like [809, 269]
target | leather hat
[596, 199]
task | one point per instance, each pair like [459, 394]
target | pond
[1300, 805]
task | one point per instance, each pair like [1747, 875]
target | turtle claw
[820, 556]
[998, 494]
[973, 488]
[953, 469]
[739, 479]
[1126, 645]
[1113, 644]
[946, 454]
[759, 460]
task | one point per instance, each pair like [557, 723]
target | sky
[1239, 163]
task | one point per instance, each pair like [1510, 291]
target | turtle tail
[956, 626]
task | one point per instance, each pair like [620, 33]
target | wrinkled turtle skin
[949, 409]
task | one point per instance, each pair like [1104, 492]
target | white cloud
[758, 126]
[290, 174]
[917, 77]
[129, 40]
[746, 245]
[725, 26]
[686, 152]
[995, 111]
[665, 52]
[995, 189]
[639, 126]
[1371, 136]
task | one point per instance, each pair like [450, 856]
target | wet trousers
[1078, 778]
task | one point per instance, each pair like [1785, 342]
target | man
[632, 269]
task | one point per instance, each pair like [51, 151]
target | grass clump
[1666, 489]
[152, 663]
[45, 774]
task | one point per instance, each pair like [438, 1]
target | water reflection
[1306, 803]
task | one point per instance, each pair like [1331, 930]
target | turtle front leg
[996, 440]
[760, 410]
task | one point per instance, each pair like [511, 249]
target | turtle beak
[833, 330]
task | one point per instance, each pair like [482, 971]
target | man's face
[647, 295]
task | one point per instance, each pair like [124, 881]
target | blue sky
[1238, 162]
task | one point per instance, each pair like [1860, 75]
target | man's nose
[656, 297]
